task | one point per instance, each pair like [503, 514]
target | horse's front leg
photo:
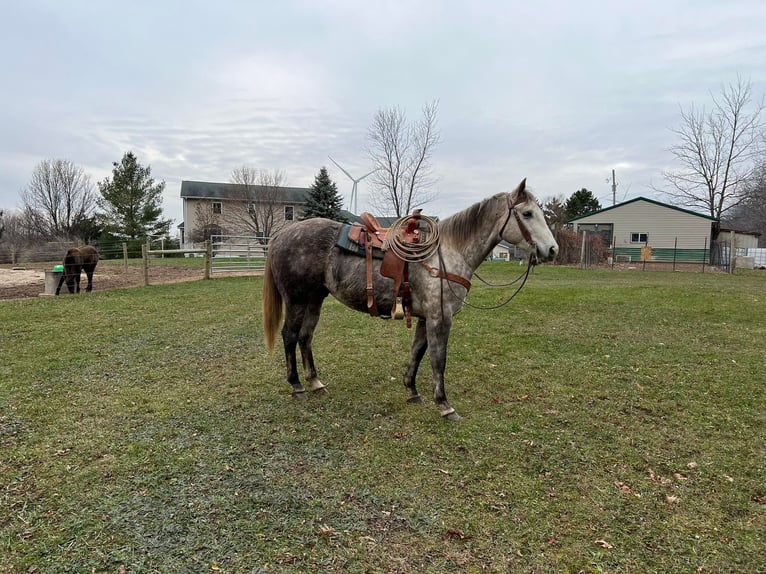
[417, 351]
[89, 288]
[438, 335]
[305, 338]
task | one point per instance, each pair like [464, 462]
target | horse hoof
[320, 391]
[416, 399]
[452, 416]
[299, 395]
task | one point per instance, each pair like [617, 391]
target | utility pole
[614, 190]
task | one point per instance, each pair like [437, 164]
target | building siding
[663, 225]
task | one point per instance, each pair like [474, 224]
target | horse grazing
[305, 264]
[78, 259]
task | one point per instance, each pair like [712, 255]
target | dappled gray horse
[305, 264]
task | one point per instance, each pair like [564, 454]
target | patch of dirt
[29, 281]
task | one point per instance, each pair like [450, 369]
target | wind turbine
[354, 197]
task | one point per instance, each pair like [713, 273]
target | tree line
[719, 169]
[61, 204]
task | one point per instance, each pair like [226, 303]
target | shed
[646, 229]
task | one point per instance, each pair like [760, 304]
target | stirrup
[398, 312]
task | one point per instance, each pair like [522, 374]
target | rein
[523, 278]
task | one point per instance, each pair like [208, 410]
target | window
[289, 213]
[217, 208]
[639, 238]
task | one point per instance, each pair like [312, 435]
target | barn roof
[655, 202]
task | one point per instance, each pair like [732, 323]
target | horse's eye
[527, 215]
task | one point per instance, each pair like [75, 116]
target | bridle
[523, 229]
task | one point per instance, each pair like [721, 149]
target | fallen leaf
[759, 499]
[671, 499]
[659, 479]
[679, 476]
[454, 534]
[603, 544]
[326, 531]
[692, 465]
[623, 487]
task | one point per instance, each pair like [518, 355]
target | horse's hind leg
[89, 274]
[305, 338]
[417, 351]
[294, 315]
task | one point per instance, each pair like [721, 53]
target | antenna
[354, 196]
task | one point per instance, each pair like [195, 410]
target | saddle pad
[347, 244]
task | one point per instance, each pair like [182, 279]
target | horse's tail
[272, 306]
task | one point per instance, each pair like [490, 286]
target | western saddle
[371, 235]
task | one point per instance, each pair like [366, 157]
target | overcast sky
[559, 92]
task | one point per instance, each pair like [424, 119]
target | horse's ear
[520, 193]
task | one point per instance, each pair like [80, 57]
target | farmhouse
[227, 208]
[645, 229]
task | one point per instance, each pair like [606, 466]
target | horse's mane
[463, 226]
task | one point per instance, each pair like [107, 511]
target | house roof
[655, 202]
[213, 190]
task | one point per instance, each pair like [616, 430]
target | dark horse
[78, 259]
[304, 265]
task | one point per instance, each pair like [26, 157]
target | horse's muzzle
[540, 255]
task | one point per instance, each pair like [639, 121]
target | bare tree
[555, 212]
[750, 214]
[16, 235]
[57, 198]
[401, 153]
[207, 223]
[259, 202]
[716, 151]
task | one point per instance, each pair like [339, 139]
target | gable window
[289, 213]
[217, 208]
[639, 238]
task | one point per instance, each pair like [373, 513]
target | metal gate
[231, 253]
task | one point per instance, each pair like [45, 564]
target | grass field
[613, 422]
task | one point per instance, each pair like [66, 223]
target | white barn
[645, 229]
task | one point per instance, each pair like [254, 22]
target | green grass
[613, 422]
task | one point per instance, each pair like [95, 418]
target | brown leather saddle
[371, 235]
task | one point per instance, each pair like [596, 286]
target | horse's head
[525, 225]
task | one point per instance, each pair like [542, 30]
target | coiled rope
[413, 251]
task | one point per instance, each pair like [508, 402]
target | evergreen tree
[324, 199]
[132, 201]
[581, 202]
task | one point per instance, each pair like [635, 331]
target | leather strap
[434, 272]
[372, 308]
[407, 295]
[522, 228]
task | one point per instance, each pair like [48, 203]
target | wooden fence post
[145, 257]
[208, 258]
[125, 255]
[732, 251]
